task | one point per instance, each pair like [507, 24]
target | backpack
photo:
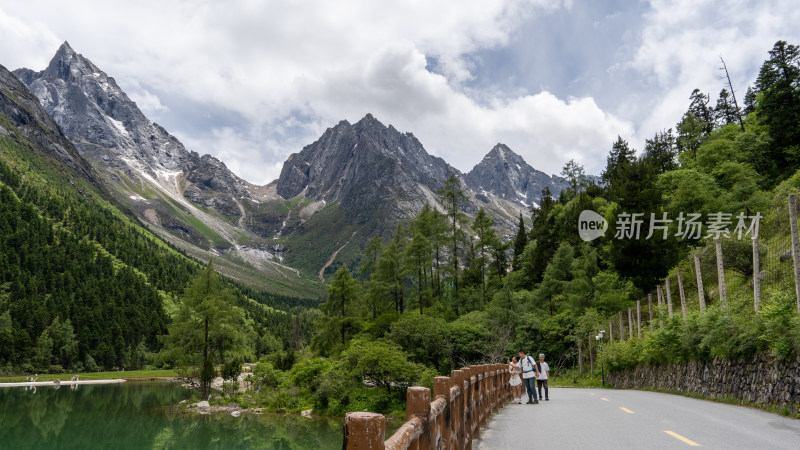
[538, 367]
[532, 364]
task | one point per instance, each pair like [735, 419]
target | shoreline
[63, 383]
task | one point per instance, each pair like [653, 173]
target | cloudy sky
[254, 81]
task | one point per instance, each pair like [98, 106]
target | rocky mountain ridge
[375, 174]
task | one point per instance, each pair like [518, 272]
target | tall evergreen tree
[779, 106]
[661, 151]
[725, 112]
[453, 198]
[207, 329]
[520, 241]
[482, 225]
[342, 295]
[618, 166]
[417, 262]
[543, 234]
[696, 123]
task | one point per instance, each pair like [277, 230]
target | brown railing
[462, 404]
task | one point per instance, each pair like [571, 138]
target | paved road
[599, 418]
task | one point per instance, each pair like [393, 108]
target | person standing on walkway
[529, 375]
[544, 375]
[516, 381]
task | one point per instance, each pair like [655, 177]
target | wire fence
[735, 271]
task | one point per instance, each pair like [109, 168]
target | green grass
[96, 375]
[572, 380]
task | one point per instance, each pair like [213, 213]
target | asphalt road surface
[600, 418]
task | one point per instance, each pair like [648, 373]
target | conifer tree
[453, 197]
[520, 241]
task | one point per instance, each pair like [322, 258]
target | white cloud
[25, 43]
[285, 71]
[680, 47]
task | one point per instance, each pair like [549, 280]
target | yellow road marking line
[626, 410]
[591, 394]
[604, 399]
[681, 438]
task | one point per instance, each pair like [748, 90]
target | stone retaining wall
[762, 381]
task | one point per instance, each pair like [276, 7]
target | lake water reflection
[137, 415]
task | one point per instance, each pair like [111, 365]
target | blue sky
[252, 82]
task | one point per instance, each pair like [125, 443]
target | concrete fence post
[756, 268]
[639, 317]
[610, 331]
[669, 297]
[660, 295]
[701, 296]
[682, 294]
[364, 431]
[795, 246]
[621, 328]
[630, 322]
[650, 309]
[723, 292]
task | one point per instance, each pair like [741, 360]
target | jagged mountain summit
[355, 181]
[107, 126]
[363, 166]
[191, 200]
[507, 175]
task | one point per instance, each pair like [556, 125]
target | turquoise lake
[142, 415]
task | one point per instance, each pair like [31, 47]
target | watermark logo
[691, 226]
[591, 225]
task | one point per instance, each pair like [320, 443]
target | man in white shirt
[542, 376]
[529, 375]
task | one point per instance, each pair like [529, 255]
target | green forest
[445, 291]
[83, 287]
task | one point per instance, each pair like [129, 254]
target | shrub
[306, 373]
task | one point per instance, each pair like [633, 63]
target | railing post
[364, 430]
[457, 410]
[418, 404]
[441, 388]
[468, 400]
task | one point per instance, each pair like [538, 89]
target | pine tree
[660, 152]
[725, 112]
[618, 166]
[342, 294]
[453, 197]
[207, 328]
[520, 241]
[482, 225]
[779, 106]
[417, 260]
